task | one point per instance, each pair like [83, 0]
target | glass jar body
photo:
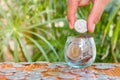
[80, 51]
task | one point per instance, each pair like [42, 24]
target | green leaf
[39, 47]
[116, 34]
[0, 53]
[16, 50]
[24, 49]
[8, 37]
[110, 19]
[47, 42]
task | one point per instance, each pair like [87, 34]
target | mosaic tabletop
[57, 71]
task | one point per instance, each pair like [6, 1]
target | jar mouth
[83, 36]
[79, 37]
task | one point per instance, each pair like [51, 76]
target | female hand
[95, 14]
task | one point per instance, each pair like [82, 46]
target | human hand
[95, 14]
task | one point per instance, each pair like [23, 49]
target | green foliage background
[43, 25]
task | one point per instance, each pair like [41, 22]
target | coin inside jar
[73, 51]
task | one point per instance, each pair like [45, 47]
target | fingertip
[91, 26]
[71, 21]
[71, 13]
[71, 26]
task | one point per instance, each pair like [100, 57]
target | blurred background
[36, 30]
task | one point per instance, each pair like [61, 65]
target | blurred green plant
[18, 23]
[109, 27]
[42, 24]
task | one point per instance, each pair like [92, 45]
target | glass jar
[80, 51]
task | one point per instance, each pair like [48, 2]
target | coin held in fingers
[80, 26]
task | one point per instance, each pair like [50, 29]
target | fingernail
[71, 27]
[91, 28]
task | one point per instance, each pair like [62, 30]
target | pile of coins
[55, 71]
[104, 66]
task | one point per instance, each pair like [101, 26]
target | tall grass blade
[39, 47]
[24, 49]
[47, 42]
[8, 37]
[16, 50]
[116, 34]
[0, 53]
[112, 15]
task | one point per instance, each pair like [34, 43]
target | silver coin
[1, 73]
[40, 69]
[15, 77]
[89, 75]
[102, 77]
[51, 66]
[49, 78]
[82, 73]
[90, 78]
[6, 74]
[8, 70]
[81, 26]
[103, 64]
[115, 78]
[34, 78]
[61, 64]
[54, 73]
[67, 76]
[100, 73]
[82, 78]
[65, 70]
[75, 71]
[17, 65]
[91, 71]
[21, 73]
[35, 74]
[104, 67]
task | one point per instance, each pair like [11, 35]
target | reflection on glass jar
[80, 51]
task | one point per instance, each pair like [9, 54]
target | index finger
[72, 8]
